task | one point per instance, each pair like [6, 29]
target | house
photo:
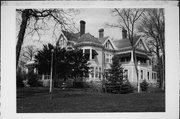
[101, 50]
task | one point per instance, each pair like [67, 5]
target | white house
[101, 50]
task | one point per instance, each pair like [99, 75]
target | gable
[62, 41]
[141, 45]
[108, 44]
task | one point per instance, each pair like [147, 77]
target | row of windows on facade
[96, 72]
[108, 58]
[148, 75]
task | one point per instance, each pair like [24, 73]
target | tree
[67, 63]
[29, 52]
[43, 59]
[36, 20]
[78, 62]
[116, 71]
[127, 20]
[153, 26]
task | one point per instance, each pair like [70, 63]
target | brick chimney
[101, 33]
[124, 33]
[82, 27]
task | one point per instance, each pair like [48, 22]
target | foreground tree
[66, 63]
[153, 26]
[118, 80]
[116, 71]
[127, 20]
[37, 20]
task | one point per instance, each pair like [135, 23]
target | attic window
[108, 45]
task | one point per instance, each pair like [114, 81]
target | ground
[37, 100]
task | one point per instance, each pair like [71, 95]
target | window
[141, 74]
[148, 75]
[126, 73]
[108, 58]
[92, 71]
[87, 53]
[108, 45]
[96, 72]
[153, 75]
[100, 72]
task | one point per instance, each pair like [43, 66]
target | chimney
[82, 27]
[124, 33]
[101, 33]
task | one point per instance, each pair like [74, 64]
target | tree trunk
[25, 17]
[136, 69]
[163, 71]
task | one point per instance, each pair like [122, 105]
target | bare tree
[153, 26]
[34, 21]
[29, 52]
[127, 20]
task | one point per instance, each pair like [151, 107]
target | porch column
[90, 57]
[83, 50]
[132, 59]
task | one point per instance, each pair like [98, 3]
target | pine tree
[116, 71]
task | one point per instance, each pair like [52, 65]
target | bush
[78, 85]
[144, 85]
[112, 87]
[126, 87]
[19, 79]
[33, 80]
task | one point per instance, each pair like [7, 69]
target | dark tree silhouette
[70, 63]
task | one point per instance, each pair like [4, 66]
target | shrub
[78, 84]
[33, 80]
[126, 87]
[144, 85]
[94, 86]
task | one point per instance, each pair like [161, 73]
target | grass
[37, 100]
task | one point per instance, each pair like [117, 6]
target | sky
[95, 19]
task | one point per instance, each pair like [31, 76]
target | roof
[102, 40]
[87, 37]
[124, 43]
[71, 36]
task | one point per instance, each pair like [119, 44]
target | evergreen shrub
[33, 80]
[144, 85]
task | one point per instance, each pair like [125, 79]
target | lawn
[37, 100]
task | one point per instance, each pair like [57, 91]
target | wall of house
[95, 63]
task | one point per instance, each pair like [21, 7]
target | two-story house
[101, 50]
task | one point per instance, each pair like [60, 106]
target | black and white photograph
[74, 59]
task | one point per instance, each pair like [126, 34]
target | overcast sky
[96, 18]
